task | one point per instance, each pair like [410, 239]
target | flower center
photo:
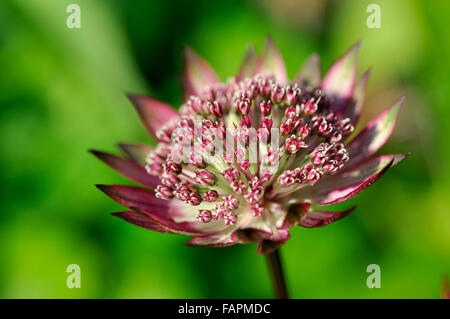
[247, 143]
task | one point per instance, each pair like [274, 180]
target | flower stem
[276, 273]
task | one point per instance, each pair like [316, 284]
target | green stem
[276, 273]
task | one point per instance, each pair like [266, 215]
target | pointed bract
[135, 151]
[336, 188]
[320, 218]
[145, 202]
[272, 62]
[213, 241]
[137, 197]
[141, 220]
[198, 74]
[340, 80]
[153, 113]
[310, 72]
[353, 108]
[128, 168]
[249, 64]
[374, 135]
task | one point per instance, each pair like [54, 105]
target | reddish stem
[276, 273]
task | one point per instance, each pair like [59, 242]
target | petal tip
[99, 154]
[397, 158]
[396, 106]
[125, 147]
[135, 100]
[131, 96]
[367, 73]
[352, 53]
[269, 40]
[249, 63]
[104, 188]
[122, 145]
[269, 45]
[351, 209]
[354, 49]
[401, 100]
[198, 73]
[315, 57]
[341, 77]
[188, 53]
[398, 103]
[116, 214]
[310, 72]
[272, 61]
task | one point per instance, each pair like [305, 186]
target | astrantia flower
[246, 160]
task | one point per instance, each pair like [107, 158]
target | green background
[62, 93]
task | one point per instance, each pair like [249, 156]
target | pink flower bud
[245, 122]
[211, 196]
[194, 199]
[204, 176]
[265, 107]
[313, 176]
[245, 165]
[290, 112]
[171, 168]
[310, 107]
[230, 174]
[304, 131]
[266, 123]
[257, 210]
[292, 94]
[163, 192]
[264, 87]
[170, 181]
[204, 215]
[231, 202]
[230, 218]
[215, 108]
[277, 93]
[239, 187]
[293, 144]
[182, 193]
[243, 106]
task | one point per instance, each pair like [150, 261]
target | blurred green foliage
[62, 92]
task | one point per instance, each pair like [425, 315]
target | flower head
[246, 160]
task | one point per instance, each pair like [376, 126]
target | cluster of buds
[331, 127]
[329, 158]
[223, 210]
[298, 176]
[324, 159]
